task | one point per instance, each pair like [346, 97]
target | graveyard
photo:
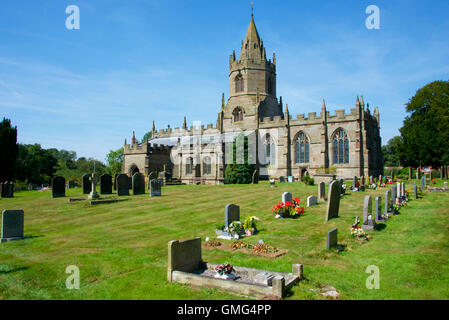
[121, 247]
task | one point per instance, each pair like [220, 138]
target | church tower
[252, 85]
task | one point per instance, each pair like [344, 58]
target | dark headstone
[106, 184]
[71, 184]
[354, 181]
[378, 208]
[388, 201]
[115, 180]
[281, 179]
[58, 187]
[321, 191]
[155, 188]
[122, 185]
[287, 197]
[232, 213]
[7, 189]
[138, 182]
[12, 225]
[130, 183]
[368, 219]
[87, 183]
[333, 204]
[332, 238]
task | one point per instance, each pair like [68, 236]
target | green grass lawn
[121, 248]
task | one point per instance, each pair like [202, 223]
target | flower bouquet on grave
[357, 231]
[250, 225]
[235, 228]
[433, 181]
[224, 272]
[288, 209]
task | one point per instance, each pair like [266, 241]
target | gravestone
[87, 183]
[393, 193]
[290, 179]
[71, 184]
[354, 181]
[232, 213]
[398, 190]
[58, 187]
[445, 185]
[272, 183]
[402, 189]
[281, 179]
[311, 201]
[415, 190]
[378, 209]
[7, 189]
[106, 184]
[130, 183]
[287, 196]
[388, 201]
[333, 204]
[138, 182]
[155, 188]
[423, 184]
[115, 180]
[321, 191]
[12, 225]
[122, 185]
[331, 238]
[343, 190]
[368, 219]
[417, 174]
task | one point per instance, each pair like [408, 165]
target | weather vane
[252, 9]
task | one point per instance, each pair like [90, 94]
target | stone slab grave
[378, 209]
[287, 197]
[312, 201]
[106, 184]
[437, 189]
[155, 188]
[368, 219]
[321, 191]
[7, 189]
[12, 225]
[122, 185]
[332, 238]
[185, 265]
[388, 201]
[333, 201]
[138, 182]
[58, 187]
[322, 177]
[87, 183]
[394, 193]
[231, 214]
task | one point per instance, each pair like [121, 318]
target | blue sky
[136, 61]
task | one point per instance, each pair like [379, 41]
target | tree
[425, 132]
[147, 135]
[114, 161]
[391, 152]
[8, 150]
[34, 164]
[240, 173]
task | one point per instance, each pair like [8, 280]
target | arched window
[270, 86]
[239, 84]
[340, 144]
[302, 148]
[237, 114]
[206, 165]
[189, 166]
[270, 150]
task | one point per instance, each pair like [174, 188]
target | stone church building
[345, 144]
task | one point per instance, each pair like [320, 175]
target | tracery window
[340, 147]
[302, 148]
[239, 84]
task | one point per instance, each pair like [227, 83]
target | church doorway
[133, 170]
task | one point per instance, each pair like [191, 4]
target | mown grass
[121, 248]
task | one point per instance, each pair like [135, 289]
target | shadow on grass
[13, 270]
[380, 226]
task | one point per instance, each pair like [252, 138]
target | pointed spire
[222, 101]
[184, 124]
[274, 58]
[134, 140]
[358, 102]
[361, 101]
[286, 109]
[153, 131]
[324, 105]
[125, 142]
[252, 45]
